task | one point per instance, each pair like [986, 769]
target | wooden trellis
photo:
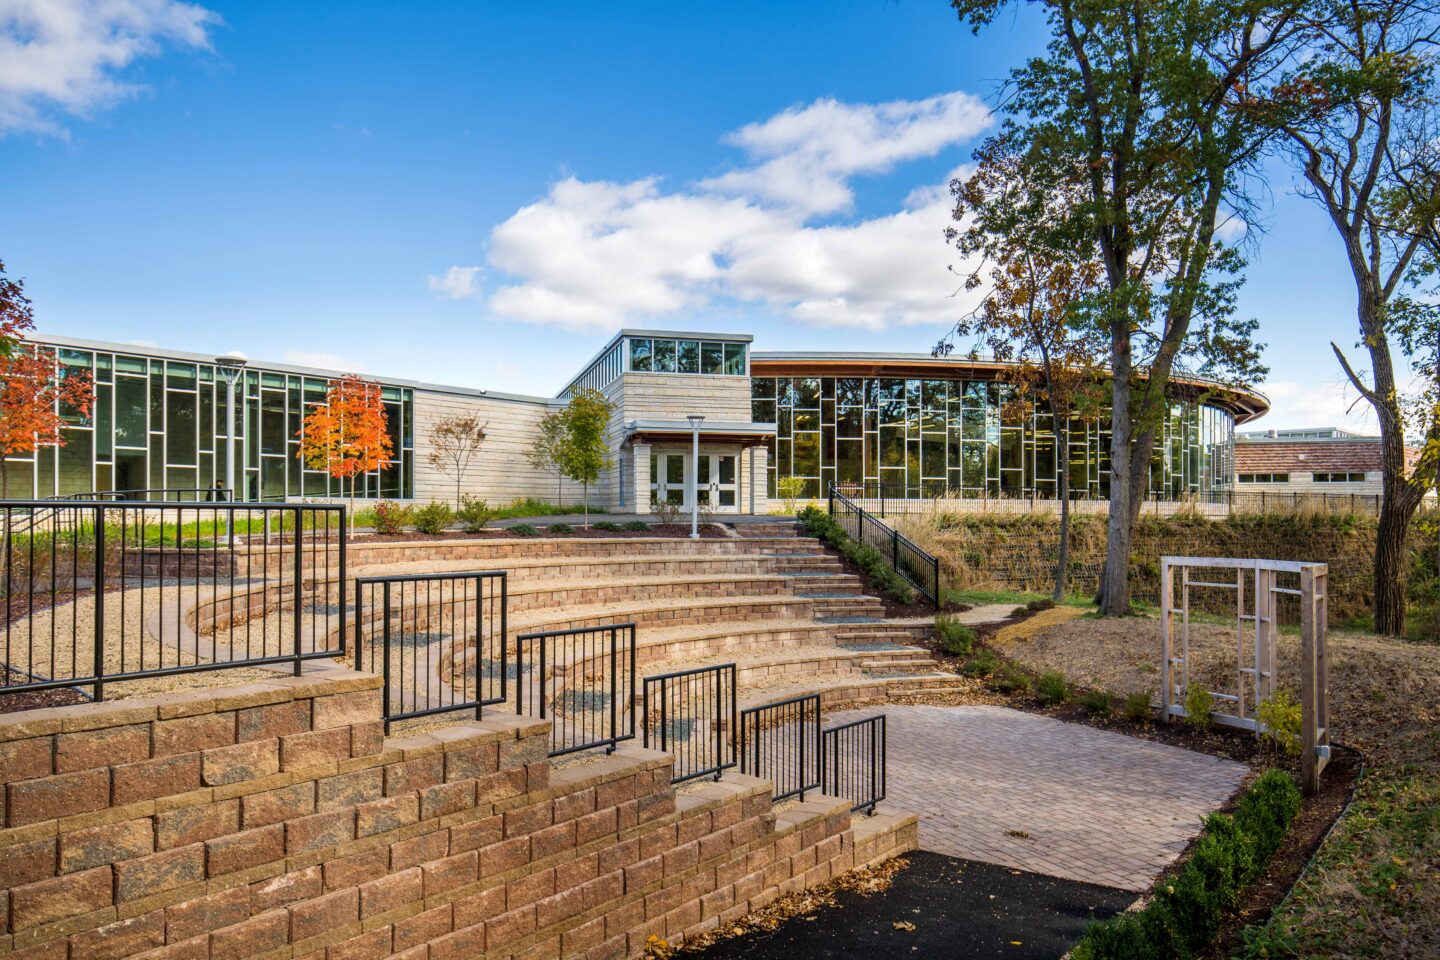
[1257, 626]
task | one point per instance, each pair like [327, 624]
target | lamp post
[695, 421]
[230, 367]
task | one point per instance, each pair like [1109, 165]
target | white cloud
[807, 154]
[323, 361]
[60, 57]
[457, 283]
[599, 254]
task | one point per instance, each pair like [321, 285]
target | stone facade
[274, 820]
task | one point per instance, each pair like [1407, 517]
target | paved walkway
[1060, 799]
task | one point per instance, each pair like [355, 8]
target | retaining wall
[274, 820]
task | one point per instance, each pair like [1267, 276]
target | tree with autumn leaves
[348, 434]
[33, 390]
[1033, 315]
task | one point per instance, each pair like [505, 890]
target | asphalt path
[960, 909]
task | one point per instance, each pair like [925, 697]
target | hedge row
[821, 525]
[1185, 914]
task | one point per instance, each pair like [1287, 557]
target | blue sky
[480, 193]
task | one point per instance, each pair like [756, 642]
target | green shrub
[1280, 715]
[1186, 911]
[560, 528]
[790, 489]
[638, 526]
[391, 517]
[1019, 611]
[872, 562]
[982, 664]
[1009, 679]
[1098, 702]
[474, 514]
[1051, 688]
[524, 530]
[434, 517]
[610, 525]
[1198, 704]
[955, 638]
[1042, 603]
[1137, 707]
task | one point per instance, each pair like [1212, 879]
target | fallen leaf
[905, 925]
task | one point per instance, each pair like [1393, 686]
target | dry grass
[1372, 890]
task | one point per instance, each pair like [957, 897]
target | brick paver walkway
[1083, 804]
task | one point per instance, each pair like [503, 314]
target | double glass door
[670, 480]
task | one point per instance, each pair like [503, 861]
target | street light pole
[230, 367]
[695, 421]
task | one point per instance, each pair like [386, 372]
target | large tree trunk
[1114, 598]
[1062, 450]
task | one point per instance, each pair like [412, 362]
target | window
[1264, 478]
[735, 359]
[1339, 477]
[640, 355]
[688, 357]
[712, 358]
[664, 356]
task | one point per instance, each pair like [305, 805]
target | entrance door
[670, 480]
[717, 482]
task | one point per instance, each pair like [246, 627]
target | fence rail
[439, 639]
[895, 500]
[780, 742]
[853, 762]
[691, 715]
[914, 564]
[582, 681]
[107, 591]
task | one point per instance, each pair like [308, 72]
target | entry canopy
[713, 431]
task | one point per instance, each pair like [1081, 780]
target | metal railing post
[385, 651]
[298, 589]
[340, 590]
[614, 689]
[99, 603]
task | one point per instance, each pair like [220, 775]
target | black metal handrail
[922, 569]
[780, 742]
[441, 641]
[853, 762]
[691, 715]
[110, 591]
[582, 681]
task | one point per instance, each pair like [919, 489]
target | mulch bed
[13, 701]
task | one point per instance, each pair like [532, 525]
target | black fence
[912, 563]
[691, 714]
[780, 742]
[900, 499]
[582, 681]
[94, 592]
[438, 639]
[853, 764]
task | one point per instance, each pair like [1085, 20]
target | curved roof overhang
[1243, 403]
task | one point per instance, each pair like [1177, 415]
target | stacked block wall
[275, 821]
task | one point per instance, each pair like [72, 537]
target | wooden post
[1309, 775]
[1167, 682]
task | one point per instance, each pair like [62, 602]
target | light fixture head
[232, 359]
[695, 420]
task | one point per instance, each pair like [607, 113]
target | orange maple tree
[32, 388]
[348, 434]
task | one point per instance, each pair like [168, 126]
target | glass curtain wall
[159, 424]
[923, 438]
